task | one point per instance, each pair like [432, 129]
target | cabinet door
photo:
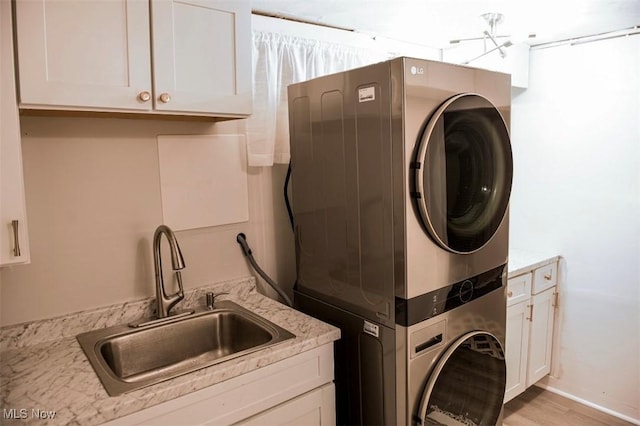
[12, 203]
[77, 54]
[202, 56]
[315, 408]
[541, 336]
[516, 347]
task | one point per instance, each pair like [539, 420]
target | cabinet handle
[530, 313]
[16, 238]
[555, 299]
[144, 96]
[547, 277]
[509, 293]
[165, 98]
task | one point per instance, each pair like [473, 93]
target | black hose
[286, 196]
[242, 240]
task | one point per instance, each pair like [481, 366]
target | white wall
[576, 144]
[93, 202]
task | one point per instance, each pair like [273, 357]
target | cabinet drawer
[545, 277]
[518, 289]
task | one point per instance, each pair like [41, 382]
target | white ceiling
[435, 22]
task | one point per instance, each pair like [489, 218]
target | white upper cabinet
[202, 56]
[14, 244]
[84, 54]
[190, 57]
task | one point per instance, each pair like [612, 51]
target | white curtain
[279, 60]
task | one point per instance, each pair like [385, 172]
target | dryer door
[467, 384]
[462, 173]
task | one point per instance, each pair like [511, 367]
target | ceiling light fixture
[491, 35]
[498, 47]
[492, 19]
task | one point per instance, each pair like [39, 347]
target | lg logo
[417, 70]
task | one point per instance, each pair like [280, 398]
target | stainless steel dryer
[453, 363]
[401, 177]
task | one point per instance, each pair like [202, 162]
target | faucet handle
[211, 298]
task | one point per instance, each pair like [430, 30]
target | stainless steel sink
[127, 358]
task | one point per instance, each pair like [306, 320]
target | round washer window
[467, 384]
[464, 172]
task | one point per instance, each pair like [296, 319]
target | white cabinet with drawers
[188, 57]
[531, 303]
[295, 391]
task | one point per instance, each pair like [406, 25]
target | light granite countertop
[522, 261]
[46, 378]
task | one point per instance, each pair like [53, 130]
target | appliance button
[466, 291]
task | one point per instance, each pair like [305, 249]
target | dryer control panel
[434, 303]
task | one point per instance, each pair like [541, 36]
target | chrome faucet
[165, 303]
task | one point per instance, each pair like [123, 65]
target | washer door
[463, 172]
[467, 384]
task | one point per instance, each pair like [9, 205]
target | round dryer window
[463, 172]
[467, 384]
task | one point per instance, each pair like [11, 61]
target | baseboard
[588, 404]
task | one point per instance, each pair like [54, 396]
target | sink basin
[127, 358]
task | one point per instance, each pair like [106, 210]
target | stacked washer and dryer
[401, 177]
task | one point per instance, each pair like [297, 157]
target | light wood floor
[537, 407]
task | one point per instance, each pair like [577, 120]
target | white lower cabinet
[316, 408]
[531, 303]
[295, 391]
[516, 351]
[540, 336]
